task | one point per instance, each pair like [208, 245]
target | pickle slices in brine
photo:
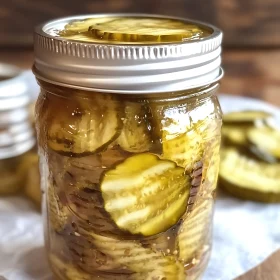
[249, 179]
[135, 136]
[144, 262]
[58, 213]
[188, 147]
[145, 194]
[245, 117]
[133, 30]
[84, 126]
[266, 140]
[195, 231]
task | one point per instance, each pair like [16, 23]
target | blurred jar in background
[17, 138]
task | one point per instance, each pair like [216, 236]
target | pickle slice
[84, 127]
[266, 140]
[245, 117]
[144, 262]
[188, 148]
[195, 231]
[30, 170]
[135, 136]
[133, 29]
[249, 179]
[144, 30]
[131, 189]
[58, 213]
[235, 135]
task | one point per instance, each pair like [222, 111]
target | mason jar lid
[126, 68]
[17, 149]
[13, 116]
[13, 88]
[14, 134]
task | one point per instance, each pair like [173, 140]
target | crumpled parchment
[245, 233]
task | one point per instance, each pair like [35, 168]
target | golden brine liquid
[126, 30]
[129, 184]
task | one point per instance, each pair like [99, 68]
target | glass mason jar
[128, 129]
[16, 133]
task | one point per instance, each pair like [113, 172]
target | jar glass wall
[128, 181]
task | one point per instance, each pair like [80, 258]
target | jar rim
[127, 68]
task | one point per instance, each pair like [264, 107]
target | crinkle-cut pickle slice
[145, 194]
[212, 163]
[245, 117]
[188, 147]
[58, 213]
[249, 179]
[133, 30]
[64, 269]
[145, 262]
[135, 135]
[83, 127]
[195, 231]
[235, 135]
[266, 139]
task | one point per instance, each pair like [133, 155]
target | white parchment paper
[245, 233]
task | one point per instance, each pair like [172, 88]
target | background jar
[17, 139]
[129, 154]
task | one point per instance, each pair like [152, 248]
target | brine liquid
[128, 183]
[126, 30]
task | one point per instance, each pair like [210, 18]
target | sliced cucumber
[211, 166]
[83, 127]
[66, 270]
[189, 147]
[58, 213]
[245, 117]
[135, 136]
[235, 135]
[144, 262]
[195, 231]
[266, 140]
[249, 179]
[144, 30]
[132, 29]
[131, 189]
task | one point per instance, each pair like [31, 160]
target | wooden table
[248, 73]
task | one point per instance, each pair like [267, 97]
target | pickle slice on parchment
[266, 140]
[132, 187]
[249, 179]
[83, 126]
[245, 117]
[135, 136]
[195, 230]
[235, 135]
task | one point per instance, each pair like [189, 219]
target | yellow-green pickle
[129, 145]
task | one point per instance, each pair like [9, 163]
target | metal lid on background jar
[140, 67]
[13, 88]
[16, 139]
[16, 131]
[17, 149]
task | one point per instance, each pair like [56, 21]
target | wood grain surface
[245, 23]
[251, 73]
[268, 270]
